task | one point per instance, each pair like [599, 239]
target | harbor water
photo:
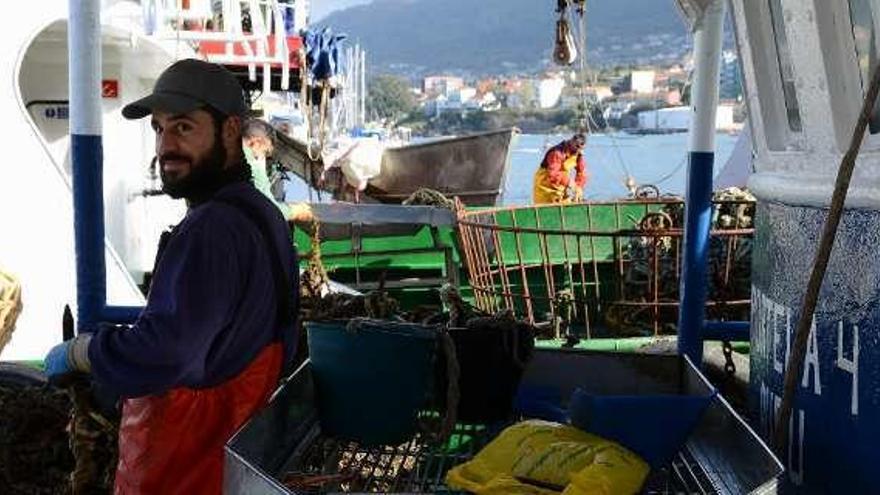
[660, 160]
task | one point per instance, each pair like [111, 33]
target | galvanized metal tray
[282, 451]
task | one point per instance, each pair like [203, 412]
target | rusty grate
[419, 467]
[602, 269]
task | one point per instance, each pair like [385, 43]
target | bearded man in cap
[218, 328]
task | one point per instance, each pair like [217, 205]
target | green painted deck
[521, 241]
[424, 249]
[417, 251]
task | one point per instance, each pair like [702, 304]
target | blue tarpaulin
[322, 53]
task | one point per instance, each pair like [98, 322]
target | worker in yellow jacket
[553, 178]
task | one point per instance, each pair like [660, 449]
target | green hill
[482, 37]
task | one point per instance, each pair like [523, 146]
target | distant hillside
[498, 36]
[322, 8]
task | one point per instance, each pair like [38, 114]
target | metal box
[723, 455]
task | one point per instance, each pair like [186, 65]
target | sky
[320, 8]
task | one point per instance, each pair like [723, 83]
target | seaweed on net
[729, 265]
[318, 303]
[94, 439]
[314, 281]
[35, 457]
[54, 442]
[429, 197]
[458, 310]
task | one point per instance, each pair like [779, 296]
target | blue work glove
[68, 357]
[57, 361]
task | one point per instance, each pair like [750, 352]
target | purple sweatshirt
[211, 308]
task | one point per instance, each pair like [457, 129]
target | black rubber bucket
[491, 359]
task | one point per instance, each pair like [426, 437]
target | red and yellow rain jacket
[553, 176]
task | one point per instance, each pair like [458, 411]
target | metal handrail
[171, 24]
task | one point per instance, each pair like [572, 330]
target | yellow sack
[540, 457]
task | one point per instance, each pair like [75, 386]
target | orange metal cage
[602, 268]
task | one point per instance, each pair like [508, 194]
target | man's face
[577, 145]
[260, 146]
[190, 150]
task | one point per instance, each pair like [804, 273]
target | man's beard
[204, 178]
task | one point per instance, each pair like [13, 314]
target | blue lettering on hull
[834, 433]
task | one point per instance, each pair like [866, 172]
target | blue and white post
[698, 195]
[84, 52]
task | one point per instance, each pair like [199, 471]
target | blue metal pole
[121, 314]
[84, 53]
[698, 195]
[735, 331]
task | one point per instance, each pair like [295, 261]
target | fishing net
[54, 442]
[653, 263]
[429, 197]
[35, 456]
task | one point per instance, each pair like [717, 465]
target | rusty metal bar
[616, 204]
[548, 266]
[548, 274]
[483, 252]
[618, 255]
[595, 262]
[462, 230]
[583, 273]
[481, 288]
[569, 278]
[728, 260]
[655, 285]
[483, 256]
[564, 236]
[499, 255]
[516, 294]
[467, 249]
[623, 232]
[525, 281]
[650, 201]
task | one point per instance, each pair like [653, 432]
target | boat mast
[363, 81]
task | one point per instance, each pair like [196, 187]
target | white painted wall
[642, 81]
[549, 91]
[36, 217]
[799, 167]
[680, 118]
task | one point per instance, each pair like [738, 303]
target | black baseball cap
[188, 85]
